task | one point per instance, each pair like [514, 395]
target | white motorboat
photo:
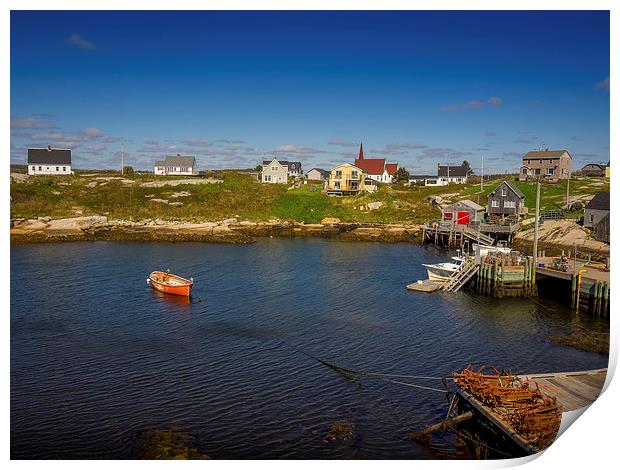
[443, 271]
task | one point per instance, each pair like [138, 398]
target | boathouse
[49, 161]
[462, 212]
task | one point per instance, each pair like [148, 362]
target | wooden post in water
[535, 247]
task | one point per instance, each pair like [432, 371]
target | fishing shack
[462, 212]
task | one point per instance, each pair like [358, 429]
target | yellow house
[607, 174]
[349, 179]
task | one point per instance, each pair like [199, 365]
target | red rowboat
[170, 283]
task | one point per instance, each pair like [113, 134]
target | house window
[550, 171]
[525, 171]
[267, 177]
[537, 171]
[503, 192]
[354, 185]
[495, 203]
[338, 174]
[354, 174]
[509, 204]
[591, 218]
[57, 169]
[540, 162]
[337, 184]
[40, 168]
[447, 216]
[274, 168]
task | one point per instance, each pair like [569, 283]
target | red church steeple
[361, 157]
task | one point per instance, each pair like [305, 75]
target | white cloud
[76, 40]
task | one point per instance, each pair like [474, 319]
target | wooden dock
[573, 391]
[427, 285]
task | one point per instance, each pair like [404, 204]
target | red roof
[391, 168]
[372, 166]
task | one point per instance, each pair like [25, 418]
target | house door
[462, 218]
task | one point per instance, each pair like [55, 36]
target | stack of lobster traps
[530, 416]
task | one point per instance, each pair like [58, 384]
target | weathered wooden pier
[589, 282]
[572, 390]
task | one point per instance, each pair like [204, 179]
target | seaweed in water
[168, 445]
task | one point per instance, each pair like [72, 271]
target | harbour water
[98, 358]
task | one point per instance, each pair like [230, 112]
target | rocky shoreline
[91, 228]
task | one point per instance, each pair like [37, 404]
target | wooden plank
[498, 422]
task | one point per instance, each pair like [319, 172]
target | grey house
[292, 168]
[318, 174]
[505, 201]
[593, 169]
[596, 210]
[602, 230]
[274, 171]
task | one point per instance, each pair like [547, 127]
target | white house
[181, 166]
[292, 168]
[275, 171]
[447, 174]
[49, 161]
[376, 168]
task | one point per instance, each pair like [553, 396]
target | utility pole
[567, 190]
[535, 249]
[482, 175]
[122, 159]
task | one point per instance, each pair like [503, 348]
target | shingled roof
[600, 202]
[180, 161]
[50, 156]
[534, 154]
[455, 171]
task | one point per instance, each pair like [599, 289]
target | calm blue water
[98, 358]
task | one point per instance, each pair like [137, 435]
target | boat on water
[443, 271]
[170, 283]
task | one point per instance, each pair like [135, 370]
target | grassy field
[240, 196]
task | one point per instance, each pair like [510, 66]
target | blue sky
[417, 88]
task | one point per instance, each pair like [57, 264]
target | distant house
[420, 179]
[607, 170]
[594, 169]
[376, 168]
[275, 171]
[292, 168]
[462, 212]
[448, 174]
[49, 161]
[548, 164]
[176, 165]
[318, 174]
[505, 201]
[349, 179]
[596, 210]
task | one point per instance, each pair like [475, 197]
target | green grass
[240, 196]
